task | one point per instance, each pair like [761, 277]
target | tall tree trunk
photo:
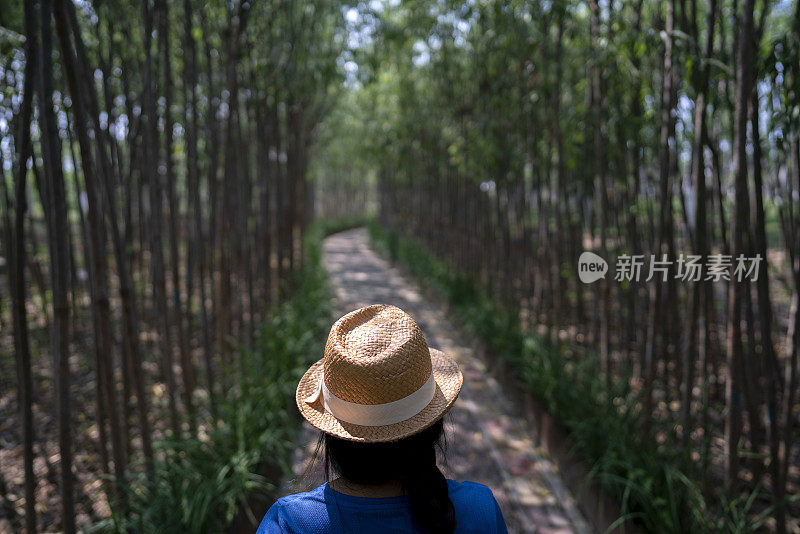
[187, 368]
[127, 294]
[770, 368]
[655, 337]
[700, 232]
[56, 217]
[156, 217]
[97, 233]
[791, 231]
[744, 79]
[226, 215]
[599, 176]
[195, 256]
[209, 247]
[16, 277]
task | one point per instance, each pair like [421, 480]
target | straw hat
[378, 381]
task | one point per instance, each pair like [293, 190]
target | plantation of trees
[171, 168]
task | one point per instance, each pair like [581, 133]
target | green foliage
[655, 486]
[11, 28]
[200, 483]
[198, 486]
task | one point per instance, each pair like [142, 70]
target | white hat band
[375, 414]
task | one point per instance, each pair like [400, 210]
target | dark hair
[411, 461]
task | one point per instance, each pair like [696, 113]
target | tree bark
[744, 80]
[56, 217]
[16, 278]
[156, 218]
[700, 233]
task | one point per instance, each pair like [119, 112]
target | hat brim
[448, 380]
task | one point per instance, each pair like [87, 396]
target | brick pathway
[487, 441]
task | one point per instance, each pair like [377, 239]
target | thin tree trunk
[226, 217]
[700, 231]
[16, 247]
[127, 294]
[187, 368]
[209, 245]
[655, 337]
[156, 219]
[97, 234]
[56, 217]
[770, 368]
[734, 350]
[599, 162]
[791, 227]
[195, 253]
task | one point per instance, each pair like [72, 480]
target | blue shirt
[324, 510]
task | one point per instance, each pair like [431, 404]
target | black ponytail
[412, 461]
[427, 489]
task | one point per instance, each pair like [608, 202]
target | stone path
[487, 439]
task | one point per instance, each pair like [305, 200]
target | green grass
[201, 483]
[657, 488]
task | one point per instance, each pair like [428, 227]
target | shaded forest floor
[487, 438]
[91, 502]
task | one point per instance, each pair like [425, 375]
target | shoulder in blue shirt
[323, 510]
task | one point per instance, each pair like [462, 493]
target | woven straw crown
[376, 355]
[378, 380]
